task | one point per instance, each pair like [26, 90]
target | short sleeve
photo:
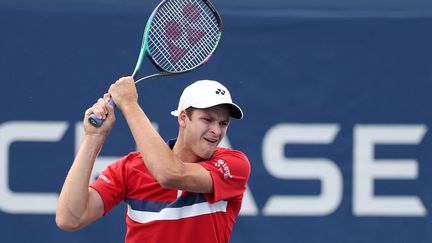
[111, 184]
[230, 171]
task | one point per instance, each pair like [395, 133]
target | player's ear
[182, 118]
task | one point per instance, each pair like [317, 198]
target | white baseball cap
[205, 94]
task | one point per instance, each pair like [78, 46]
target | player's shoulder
[131, 159]
[134, 158]
[134, 155]
[233, 160]
[221, 152]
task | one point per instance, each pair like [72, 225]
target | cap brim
[235, 111]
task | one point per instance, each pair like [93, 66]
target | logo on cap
[220, 91]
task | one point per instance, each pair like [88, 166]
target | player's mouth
[211, 140]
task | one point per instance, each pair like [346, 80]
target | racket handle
[96, 122]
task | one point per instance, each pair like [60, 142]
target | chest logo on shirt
[223, 168]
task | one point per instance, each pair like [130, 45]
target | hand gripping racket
[179, 36]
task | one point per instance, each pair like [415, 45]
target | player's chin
[206, 150]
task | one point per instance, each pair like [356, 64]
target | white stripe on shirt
[177, 213]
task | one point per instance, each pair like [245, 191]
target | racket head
[181, 35]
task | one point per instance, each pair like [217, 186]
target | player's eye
[206, 119]
[224, 124]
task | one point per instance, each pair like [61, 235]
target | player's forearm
[73, 199]
[158, 158]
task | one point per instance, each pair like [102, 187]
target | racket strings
[183, 35]
[180, 50]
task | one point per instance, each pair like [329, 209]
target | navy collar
[171, 143]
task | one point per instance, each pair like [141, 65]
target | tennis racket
[179, 36]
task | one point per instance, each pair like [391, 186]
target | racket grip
[96, 122]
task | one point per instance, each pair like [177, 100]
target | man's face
[205, 129]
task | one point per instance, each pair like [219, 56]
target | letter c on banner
[24, 202]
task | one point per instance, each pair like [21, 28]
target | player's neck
[184, 152]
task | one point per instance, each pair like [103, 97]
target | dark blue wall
[340, 71]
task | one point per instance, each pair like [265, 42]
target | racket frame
[144, 51]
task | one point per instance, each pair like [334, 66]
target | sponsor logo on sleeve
[223, 168]
[105, 179]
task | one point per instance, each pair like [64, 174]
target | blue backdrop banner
[336, 120]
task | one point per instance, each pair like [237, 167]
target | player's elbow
[66, 223]
[170, 178]
[169, 181]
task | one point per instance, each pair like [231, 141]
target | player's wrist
[130, 107]
[96, 138]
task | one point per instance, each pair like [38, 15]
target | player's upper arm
[193, 178]
[225, 175]
[95, 208]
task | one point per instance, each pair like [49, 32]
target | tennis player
[186, 190]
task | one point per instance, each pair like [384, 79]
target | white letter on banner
[367, 169]
[321, 169]
[22, 202]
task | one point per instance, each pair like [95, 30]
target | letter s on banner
[322, 169]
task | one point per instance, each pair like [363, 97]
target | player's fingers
[124, 82]
[107, 96]
[109, 103]
[126, 79]
[88, 112]
[100, 109]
